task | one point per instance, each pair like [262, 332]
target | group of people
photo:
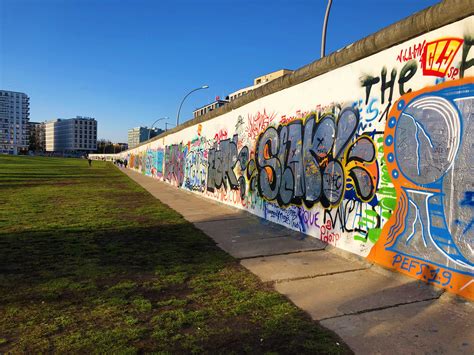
[121, 163]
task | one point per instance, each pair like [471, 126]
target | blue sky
[128, 62]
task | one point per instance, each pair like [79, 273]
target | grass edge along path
[91, 262]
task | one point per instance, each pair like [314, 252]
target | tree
[104, 146]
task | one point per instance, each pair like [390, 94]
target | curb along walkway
[373, 310]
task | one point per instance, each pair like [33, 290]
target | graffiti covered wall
[373, 157]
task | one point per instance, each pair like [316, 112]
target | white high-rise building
[138, 135]
[71, 135]
[14, 117]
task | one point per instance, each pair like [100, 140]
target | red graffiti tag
[258, 123]
[438, 56]
[411, 52]
[220, 135]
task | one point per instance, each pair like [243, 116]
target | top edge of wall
[434, 17]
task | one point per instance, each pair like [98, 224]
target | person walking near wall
[90, 161]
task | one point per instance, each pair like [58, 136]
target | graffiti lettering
[425, 271]
[406, 73]
[223, 159]
[174, 164]
[309, 162]
[411, 52]
[466, 63]
[438, 56]
[257, 123]
[289, 217]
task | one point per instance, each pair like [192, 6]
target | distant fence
[373, 156]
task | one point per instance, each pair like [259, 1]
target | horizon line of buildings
[18, 135]
[79, 134]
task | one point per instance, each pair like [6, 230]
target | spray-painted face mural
[427, 145]
[374, 157]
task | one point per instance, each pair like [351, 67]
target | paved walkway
[373, 310]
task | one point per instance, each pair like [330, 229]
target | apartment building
[209, 107]
[271, 76]
[37, 136]
[259, 81]
[138, 135]
[14, 117]
[71, 135]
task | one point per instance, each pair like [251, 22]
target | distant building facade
[257, 82]
[271, 76]
[138, 135]
[37, 136]
[240, 92]
[71, 135]
[209, 107]
[14, 117]
[260, 81]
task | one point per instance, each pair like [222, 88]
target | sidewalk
[373, 310]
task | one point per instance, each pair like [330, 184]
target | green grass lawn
[90, 262]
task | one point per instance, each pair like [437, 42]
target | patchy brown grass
[90, 262]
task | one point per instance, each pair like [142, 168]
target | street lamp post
[166, 125]
[325, 25]
[159, 119]
[182, 101]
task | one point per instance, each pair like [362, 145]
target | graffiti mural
[195, 174]
[427, 146]
[222, 161]
[310, 161]
[374, 157]
[174, 164]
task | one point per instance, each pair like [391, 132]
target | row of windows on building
[14, 117]
[212, 106]
[259, 81]
[81, 122]
[23, 120]
[13, 94]
[237, 95]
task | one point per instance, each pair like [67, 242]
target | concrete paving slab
[352, 292]
[206, 212]
[192, 205]
[193, 208]
[244, 229]
[300, 265]
[441, 326]
[178, 196]
[270, 246]
[204, 217]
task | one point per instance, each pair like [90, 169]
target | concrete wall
[373, 157]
